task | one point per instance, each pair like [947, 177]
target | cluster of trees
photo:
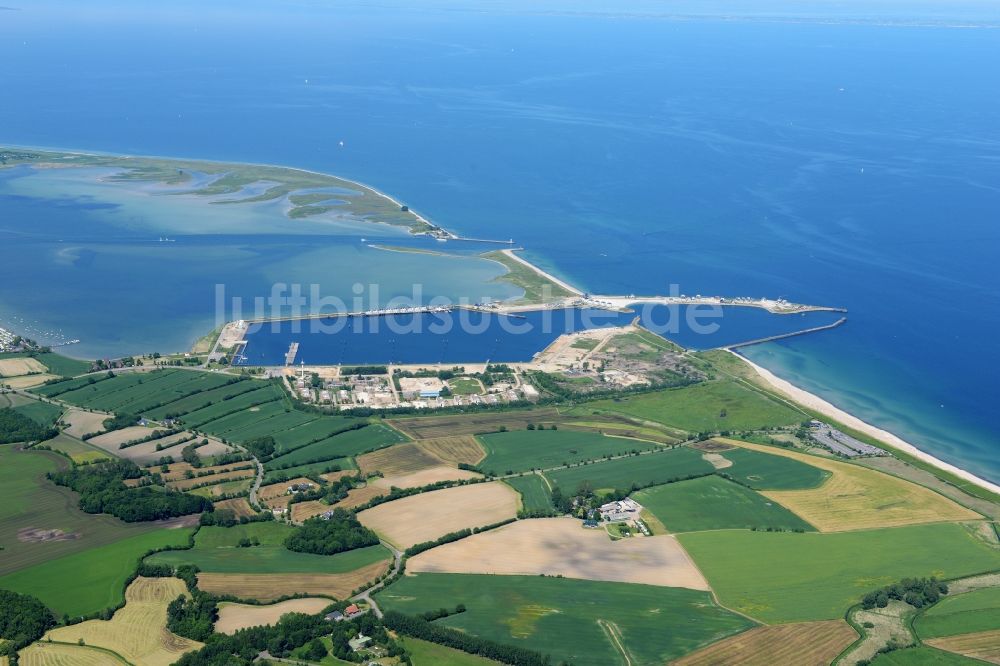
[189, 453]
[261, 447]
[227, 518]
[16, 427]
[918, 592]
[241, 648]
[418, 548]
[363, 370]
[102, 490]
[332, 492]
[327, 537]
[119, 421]
[418, 627]
[23, 620]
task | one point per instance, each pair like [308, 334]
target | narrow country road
[366, 594]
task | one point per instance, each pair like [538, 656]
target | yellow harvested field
[274, 491]
[27, 381]
[137, 632]
[267, 587]
[302, 511]
[563, 547]
[856, 498]
[396, 460]
[233, 617]
[186, 484]
[455, 450]
[330, 477]
[214, 447]
[55, 654]
[15, 367]
[801, 643]
[112, 440]
[984, 645]
[238, 505]
[425, 477]
[427, 516]
[82, 423]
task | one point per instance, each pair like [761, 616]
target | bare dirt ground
[187, 484]
[233, 617]
[424, 477]
[38, 535]
[801, 643]
[83, 423]
[427, 516]
[330, 477]
[563, 547]
[176, 471]
[302, 511]
[266, 587]
[27, 381]
[717, 461]
[111, 441]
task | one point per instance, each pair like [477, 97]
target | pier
[293, 349]
[782, 336]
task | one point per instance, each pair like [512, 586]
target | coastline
[548, 276]
[818, 404]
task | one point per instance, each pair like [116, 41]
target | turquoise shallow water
[851, 163]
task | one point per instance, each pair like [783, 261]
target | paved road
[366, 595]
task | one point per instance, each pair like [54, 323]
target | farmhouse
[296, 488]
[360, 642]
[353, 611]
[335, 616]
[625, 509]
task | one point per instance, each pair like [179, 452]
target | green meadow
[57, 364]
[423, 653]
[571, 619]
[791, 577]
[30, 501]
[923, 656]
[217, 550]
[522, 450]
[761, 471]
[534, 493]
[967, 613]
[662, 466]
[714, 503]
[89, 581]
[713, 406]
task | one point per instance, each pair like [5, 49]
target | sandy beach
[820, 405]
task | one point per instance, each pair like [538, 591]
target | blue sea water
[472, 336]
[847, 156]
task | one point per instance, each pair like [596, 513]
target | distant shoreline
[818, 404]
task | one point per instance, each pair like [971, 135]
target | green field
[713, 406]
[423, 653]
[94, 579]
[537, 288]
[345, 444]
[218, 395]
[664, 466]
[761, 471]
[568, 618]
[271, 476]
[57, 365]
[923, 656]
[535, 494]
[40, 412]
[787, 577]
[967, 613]
[271, 559]
[522, 450]
[714, 503]
[465, 386]
[80, 452]
[30, 501]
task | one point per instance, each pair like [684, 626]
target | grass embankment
[537, 288]
[789, 577]
[583, 622]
